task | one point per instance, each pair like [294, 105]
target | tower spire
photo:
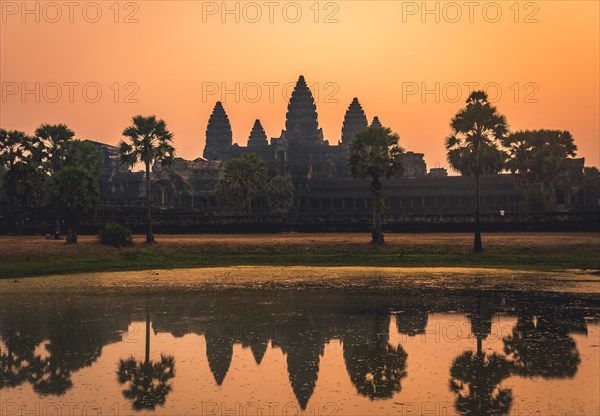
[302, 122]
[376, 122]
[219, 137]
[258, 136]
[355, 120]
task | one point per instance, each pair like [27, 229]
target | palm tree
[74, 194]
[375, 154]
[243, 178]
[148, 381]
[537, 158]
[14, 161]
[473, 146]
[55, 138]
[150, 142]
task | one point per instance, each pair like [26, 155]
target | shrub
[115, 235]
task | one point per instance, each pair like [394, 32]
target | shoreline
[277, 278]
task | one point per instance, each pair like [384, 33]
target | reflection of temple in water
[540, 344]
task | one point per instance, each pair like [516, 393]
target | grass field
[34, 256]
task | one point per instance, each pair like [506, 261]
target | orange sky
[175, 53]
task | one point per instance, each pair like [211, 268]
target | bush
[116, 235]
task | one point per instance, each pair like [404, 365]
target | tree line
[479, 144]
[49, 174]
[53, 174]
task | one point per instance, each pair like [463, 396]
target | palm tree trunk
[150, 233]
[147, 356]
[377, 232]
[477, 245]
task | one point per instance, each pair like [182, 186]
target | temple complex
[301, 146]
[325, 192]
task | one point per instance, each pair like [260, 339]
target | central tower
[302, 124]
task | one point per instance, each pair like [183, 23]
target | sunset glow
[412, 64]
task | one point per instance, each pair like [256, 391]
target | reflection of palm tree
[16, 359]
[148, 381]
[51, 375]
[375, 367]
[541, 349]
[50, 372]
[474, 378]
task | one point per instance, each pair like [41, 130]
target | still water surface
[300, 352]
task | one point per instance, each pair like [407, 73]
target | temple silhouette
[325, 192]
[301, 150]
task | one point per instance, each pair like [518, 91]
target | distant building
[438, 172]
[325, 190]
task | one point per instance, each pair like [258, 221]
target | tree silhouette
[67, 347]
[16, 359]
[375, 367]
[51, 375]
[149, 143]
[537, 158]
[543, 348]
[75, 194]
[21, 175]
[243, 178]
[375, 154]
[474, 378]
[55, 138]
[147, 382]
[473, 146]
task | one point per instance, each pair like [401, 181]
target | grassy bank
[32, 256]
